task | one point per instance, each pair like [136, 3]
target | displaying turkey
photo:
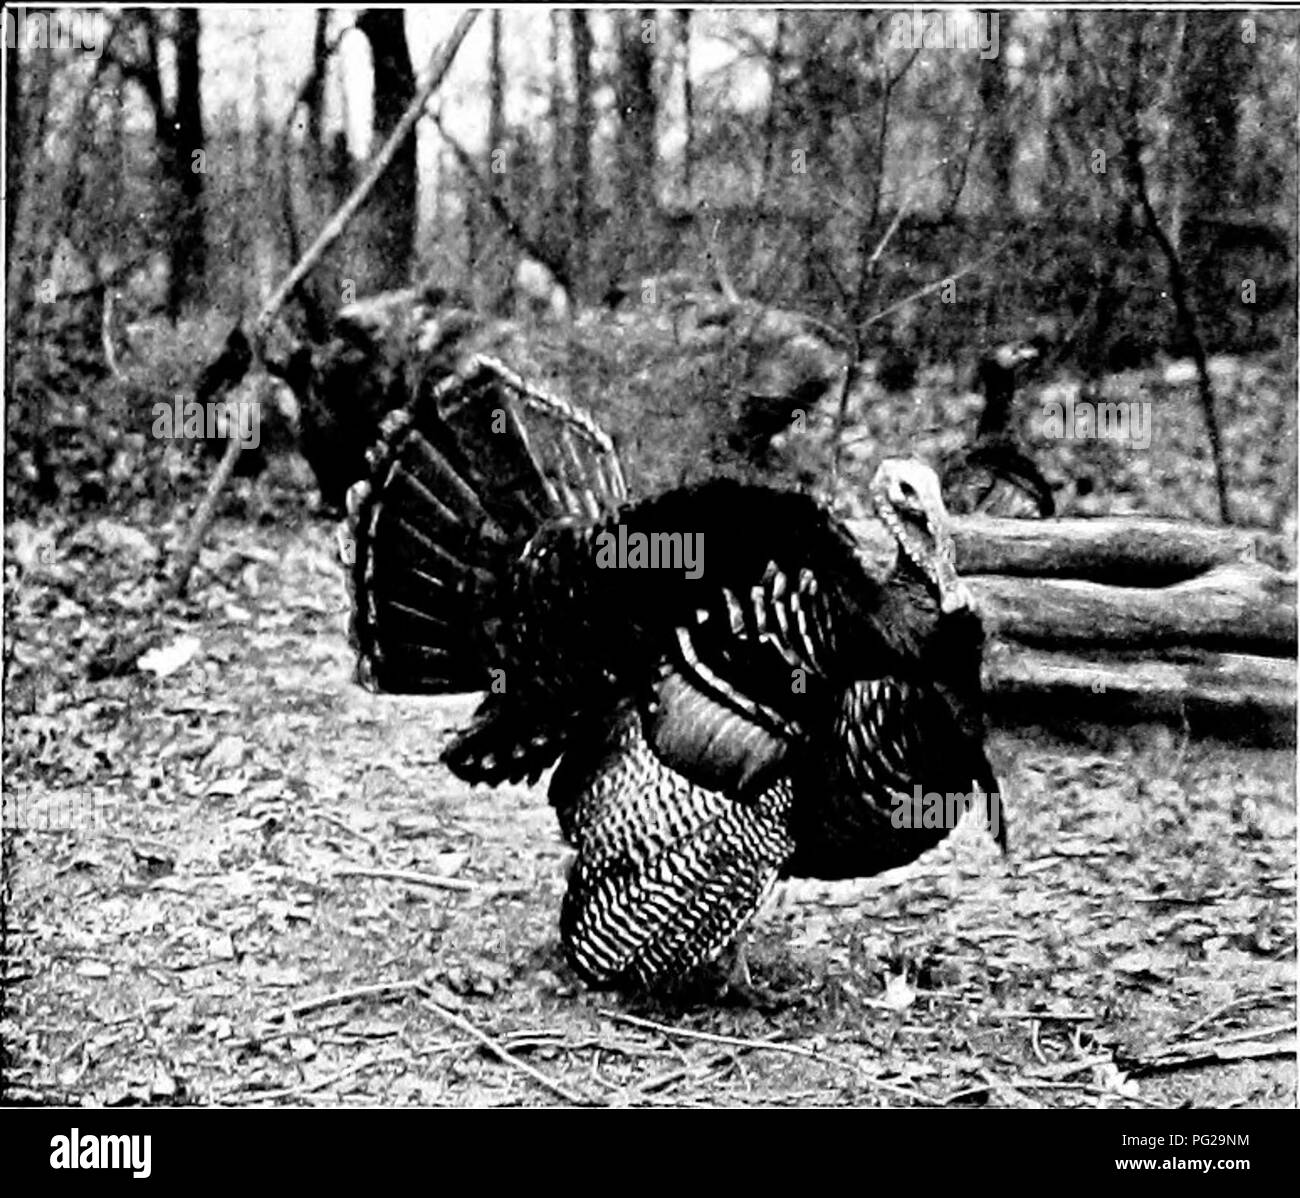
[995, 476]
[731, 696]
[378, 352]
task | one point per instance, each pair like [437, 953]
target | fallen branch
[793, 1050]
[696, 1072]
[1038, 1016]
[1229, 696]
[409, 876]
[1235, 609]
[339, 997]
[1132, 550]
[344, 826]
[1245, 1000]
[1070, 1068]
[1244, 1046]
[250, 1096]
[501, 1053]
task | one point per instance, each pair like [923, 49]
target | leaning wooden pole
[439, 64]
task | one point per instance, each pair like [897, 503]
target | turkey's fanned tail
[667, 873]
[459, 482]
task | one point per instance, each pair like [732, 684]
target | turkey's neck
[999, 391]
[910, 609]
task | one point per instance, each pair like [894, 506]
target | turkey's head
[999, 374]
[908, 501]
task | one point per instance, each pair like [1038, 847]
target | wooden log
[1130, 551]
[1238, 608]
[1236, 697]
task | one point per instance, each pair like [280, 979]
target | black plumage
[995, 476]
[756, 705]
[379, 352]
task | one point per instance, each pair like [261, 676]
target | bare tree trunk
[239, 246]
[1216, 71]
[27, 167]
[314, 92]
[558, 199]
[772, 121]
[439, 65]
[391, 223]
[635, 101]
[584, 121]
[13, 135]
[688, 99]
[999, 138]
[496, 104]
[260, 212]
[188, 245]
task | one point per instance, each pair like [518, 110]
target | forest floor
[204, 905]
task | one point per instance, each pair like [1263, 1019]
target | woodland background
[217, 887]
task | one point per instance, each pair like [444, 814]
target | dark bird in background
[363, 370]
[995, 477]
[789, 363]
[757, 707]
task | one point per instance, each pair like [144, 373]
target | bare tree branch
[502, 211]
[439, 64]
[1135, 175]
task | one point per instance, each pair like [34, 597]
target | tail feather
[460, 481]
[667, 873]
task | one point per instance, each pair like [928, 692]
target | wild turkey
[995, 476]
[719, 722]
[380, 351]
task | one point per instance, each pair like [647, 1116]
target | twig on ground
[1248, 1045]
[501, 1052]
[1070, 1068]
[774, 1046]
[250, 1096]
[409, 876]
[1246, 1000]
[1250, 1033]
[672, 1077]
[1009, 1091]
[1025, 1083]
[1033, 1042]
[379, 989]
[344, 826]
[1040, 1016]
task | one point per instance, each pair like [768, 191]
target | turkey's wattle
[738, 701]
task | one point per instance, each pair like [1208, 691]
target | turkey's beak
[930, 543]
[953, 593]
